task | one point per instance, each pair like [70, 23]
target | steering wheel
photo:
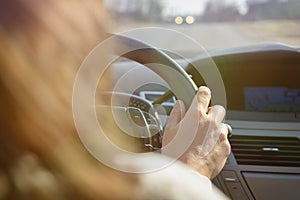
[181, 84]
[133, 111]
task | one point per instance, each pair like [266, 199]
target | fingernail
[204, 90]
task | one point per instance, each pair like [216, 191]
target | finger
[229, 129]
[203, 99]
[217, 113]
[223, 139]
[224, 132]
[176, 114]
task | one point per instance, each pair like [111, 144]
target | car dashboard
[262, 84]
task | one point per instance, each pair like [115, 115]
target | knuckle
[223, 137]
[227, 149]
[224, 129]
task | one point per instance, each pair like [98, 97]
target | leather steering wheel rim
[181, 84]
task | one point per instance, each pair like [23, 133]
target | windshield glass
[215, 24]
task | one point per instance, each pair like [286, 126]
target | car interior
[262, 101]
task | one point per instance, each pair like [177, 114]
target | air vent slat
[269, 163]
[264, 145]
[269, 151]
[279, 157]
[258, 152]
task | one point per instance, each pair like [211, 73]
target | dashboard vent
[268, 151]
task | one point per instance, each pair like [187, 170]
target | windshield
[215, 24]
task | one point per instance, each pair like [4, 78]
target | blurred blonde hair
[42, 46]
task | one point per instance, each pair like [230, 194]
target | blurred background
[215, 24]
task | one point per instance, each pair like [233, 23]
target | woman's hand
[209, 148]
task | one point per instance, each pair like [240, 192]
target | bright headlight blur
[178, 20]
[189, 19]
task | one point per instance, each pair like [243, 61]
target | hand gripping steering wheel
[85, 93]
